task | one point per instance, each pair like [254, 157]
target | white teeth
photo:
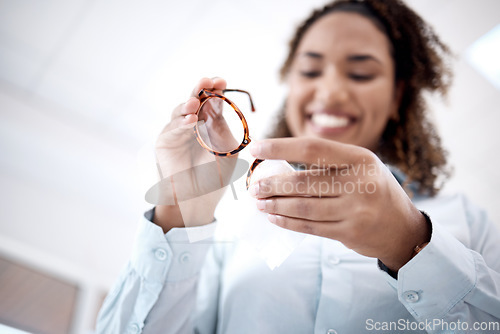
[329, 121]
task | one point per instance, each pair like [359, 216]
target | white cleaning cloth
[273, 243]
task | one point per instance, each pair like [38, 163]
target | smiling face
[341, 81]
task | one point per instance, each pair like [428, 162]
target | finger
[321, 152]
[204, 83]
[216, 83]
[314, 209]
[219, 83]
[192, 104]
[180, 127]
[187, 108]
[311, 183]
[188, 121]
[331, 229]
[190, 107]
[183, 117]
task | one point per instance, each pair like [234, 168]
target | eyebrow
[314, 55]
[362, 58]
[352, 58]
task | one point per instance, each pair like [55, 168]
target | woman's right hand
[190, 167]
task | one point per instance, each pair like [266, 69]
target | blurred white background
[85, 87]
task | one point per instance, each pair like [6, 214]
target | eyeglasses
[226, 123]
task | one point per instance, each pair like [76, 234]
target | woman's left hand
[346, 193]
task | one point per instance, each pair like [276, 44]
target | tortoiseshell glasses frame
[204, 95]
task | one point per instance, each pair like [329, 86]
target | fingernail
[272, 218]
[261, 205]
[255, 149]
[254, 189]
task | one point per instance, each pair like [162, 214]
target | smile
[330, 124]
[329, 121]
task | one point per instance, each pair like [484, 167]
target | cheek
[378, 101]
[293, 115]
[378, 106]
[298, 96]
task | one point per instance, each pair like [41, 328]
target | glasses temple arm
[242, 91]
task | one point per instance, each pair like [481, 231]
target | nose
[332, 89]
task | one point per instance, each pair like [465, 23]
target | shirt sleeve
[448, 284]
[162, 264]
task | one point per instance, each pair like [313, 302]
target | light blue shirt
[173, 286]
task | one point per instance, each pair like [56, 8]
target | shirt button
[134, 329]
[331, 331]
[185, 257]
[161, 254]
[333, 260]
[411, 296]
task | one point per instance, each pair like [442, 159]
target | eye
[310, 74]
[361, 77]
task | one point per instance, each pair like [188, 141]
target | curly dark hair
[410, 143]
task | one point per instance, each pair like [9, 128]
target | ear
[398, 95]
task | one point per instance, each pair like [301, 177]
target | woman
[373, 261]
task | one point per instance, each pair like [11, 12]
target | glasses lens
[219, 126]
